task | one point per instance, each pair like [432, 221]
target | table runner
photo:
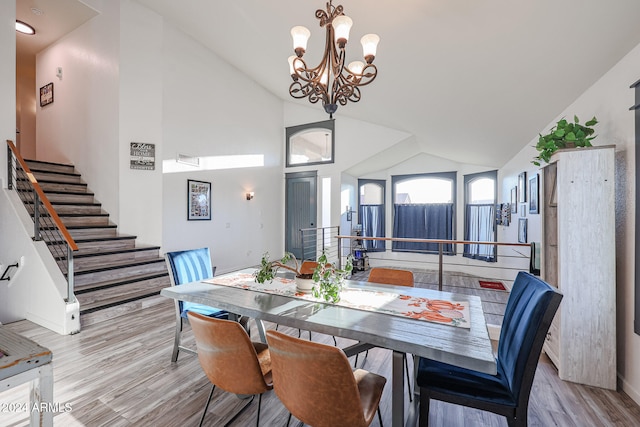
[430, 310]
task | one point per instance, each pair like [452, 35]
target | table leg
[397, 390]
[261, 333]
[41, 397]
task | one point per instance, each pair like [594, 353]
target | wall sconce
[249, 195]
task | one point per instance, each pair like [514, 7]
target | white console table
[25, 361]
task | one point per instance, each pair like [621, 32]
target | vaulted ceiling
[472, 81]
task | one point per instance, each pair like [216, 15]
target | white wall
[211, 109]
[81, 125]
[609, 100]
[140, 119]
[7, 82]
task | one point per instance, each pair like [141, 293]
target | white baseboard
[627, 388]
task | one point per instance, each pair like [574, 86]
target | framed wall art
[46, 94]
[522, 230]
[534, 194]
[522, 187]
[514, 200]
[198, 200]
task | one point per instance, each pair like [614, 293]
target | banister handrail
[43, 198]
[440, 243]
[448, 242]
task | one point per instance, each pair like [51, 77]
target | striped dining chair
[184, 267]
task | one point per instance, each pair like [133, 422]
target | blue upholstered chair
[184, 267]
[529, 312]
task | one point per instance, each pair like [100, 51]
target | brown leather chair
[397, 277]
[391, 276]
[230, 360]
[316, 384]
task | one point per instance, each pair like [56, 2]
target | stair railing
[47, 225]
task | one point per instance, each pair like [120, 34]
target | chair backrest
[189, 266]
[308, 267]
[227, 355]
[314, 381]
[528, 315]
[391, 276]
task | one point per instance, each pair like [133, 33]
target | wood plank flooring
[118, 373]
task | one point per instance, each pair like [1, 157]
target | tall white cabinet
[578, 256]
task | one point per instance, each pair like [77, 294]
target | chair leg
[335, 343]
[424, 409]
[379, 416]
[213, 387]
[259, 405]
[288, 420]
[176, 341]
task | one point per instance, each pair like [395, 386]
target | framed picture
[522, 230]
[522, 187]
[534, 194]
[46, 94]
[198, 200]
[514, 200]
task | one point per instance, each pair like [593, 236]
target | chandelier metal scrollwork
[331, 82]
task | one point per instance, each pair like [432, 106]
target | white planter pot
[304, 285]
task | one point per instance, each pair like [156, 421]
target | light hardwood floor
[118, 373]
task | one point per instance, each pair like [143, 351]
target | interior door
[301, 213]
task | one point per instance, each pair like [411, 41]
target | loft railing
[513, 257]
[318, 240]
[47, 225]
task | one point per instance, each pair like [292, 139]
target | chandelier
[331, 82]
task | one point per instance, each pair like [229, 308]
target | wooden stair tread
[55, 172]
[117, 265]
[110, 251]
[118, 282]
[115, 301]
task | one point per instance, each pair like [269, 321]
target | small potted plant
[564, 134]
[329, 279]
[269, 269]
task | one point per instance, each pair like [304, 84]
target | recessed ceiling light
[36, 11]
[23, 28]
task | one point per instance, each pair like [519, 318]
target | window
[310, 144]
[371, 207]
[424, 208]
[480, 214]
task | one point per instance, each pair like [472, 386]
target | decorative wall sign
[143, 156]
[46, 94]
[198, 200]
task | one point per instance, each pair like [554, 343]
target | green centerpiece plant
[564, 134]
[329, 279]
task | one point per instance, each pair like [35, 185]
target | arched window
[371, 208]
[480, 215]
[424, 208]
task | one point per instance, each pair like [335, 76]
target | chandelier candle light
[331, 81]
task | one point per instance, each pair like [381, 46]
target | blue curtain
[372, 220]
[480, 228]
[423, 221]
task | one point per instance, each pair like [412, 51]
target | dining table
[463, 342]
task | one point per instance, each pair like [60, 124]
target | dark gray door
[301, 210]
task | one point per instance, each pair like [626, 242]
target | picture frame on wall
[522, 187]
[198, 200]
[522, 230]
[46, 94]
[514, 200]
[534, 194]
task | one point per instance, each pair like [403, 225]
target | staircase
[113, 274]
